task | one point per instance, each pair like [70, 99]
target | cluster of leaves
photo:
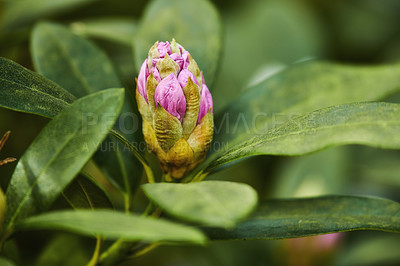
[78, 88]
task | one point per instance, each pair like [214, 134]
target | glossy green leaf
[114, 225]
[212, 203]
[300, 89]
[85, 193]
[372, 124]
[287, 218]
[71, 61]
[186, 22]
[118, 163]
[116, 29]
[59, 152]
[25, 91]
[80, 67]
[23, 12]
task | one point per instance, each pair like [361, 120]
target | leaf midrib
[36, 90]
[261, 140]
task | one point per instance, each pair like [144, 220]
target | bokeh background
[259, 39]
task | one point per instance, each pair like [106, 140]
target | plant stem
[199, 177]
[116, 253]
[149, 174]
[136, 153]
[96, 253]
[144, 250]
[120, 249]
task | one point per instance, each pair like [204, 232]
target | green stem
[144, 250]
[116, 253]
[197, 178]
[96, 253]
[121, 250]
[136, 153]
[149, 173]
[127, 195]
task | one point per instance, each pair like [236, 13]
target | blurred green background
[259, 39]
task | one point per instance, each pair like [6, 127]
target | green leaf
[300, 89]
[85, 193]
[25, 91]
[287, 218]
[116, 29]
[372, 124]
[59, 152]
[114, 225]
[71, 61]
[184, 21]
[212, 203]
[80, 67]
[23, 12]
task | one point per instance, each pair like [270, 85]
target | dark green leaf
[85, 193]
[288, 218]
[186, 22]
[80, 67]
[114, 225]
[59, 152]
[25, 91]
[118, 163]
[300, 89]
[373, 124]
[213, 203]
[20, 13]
[71, 61]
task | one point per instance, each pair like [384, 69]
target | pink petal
[180, 48]
[170, 95]
[206, 103]
[184, 76]
[163, 47]
[156, 74]
[185, 56]
[142, 78]
[155, 60]
[178, 59]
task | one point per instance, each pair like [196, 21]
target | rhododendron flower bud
[176, 107]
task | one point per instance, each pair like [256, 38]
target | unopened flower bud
[176, 107]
